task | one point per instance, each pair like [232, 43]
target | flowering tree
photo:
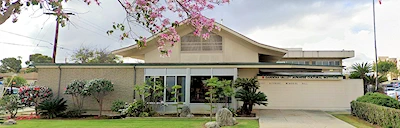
[77, 92]
[33, 95]
[99, 88]
[149, 14]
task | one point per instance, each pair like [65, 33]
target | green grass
[356, 122]
[126, 123]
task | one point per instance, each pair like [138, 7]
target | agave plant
[53, 107]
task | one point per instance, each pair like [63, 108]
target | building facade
[291, 79]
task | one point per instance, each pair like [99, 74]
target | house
[291, 78]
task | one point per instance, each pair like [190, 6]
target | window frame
[165, 88]
[203, 43]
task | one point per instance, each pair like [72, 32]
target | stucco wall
[310, 94]
[234, 50]
[247, 72]
[123, 79]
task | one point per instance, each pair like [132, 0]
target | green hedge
[379, 99]
[383, 116]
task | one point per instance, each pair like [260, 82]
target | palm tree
[360, 71]
[249, 94]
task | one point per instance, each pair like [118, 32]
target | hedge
[379, 99]
[380, 115]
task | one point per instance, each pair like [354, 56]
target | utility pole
[56, 36]
[376, 53]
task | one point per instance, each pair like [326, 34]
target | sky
[307, 24]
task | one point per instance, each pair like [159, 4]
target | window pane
[325, 63]
[331, 63]
[170, 83]
[198, 89]
[307, 62]
[314, 63]
[181, 80]
[337, 63]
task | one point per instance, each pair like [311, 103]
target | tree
[227, 91]
[34, 95]
[384, 67]
[77, 91]
[99, 88]
[249, 95]
[212, 84]
[17, 81]
[83, 55]
[10, 65]
[36, 58]
[176, 94]
[360, 71]
[153, 15]
[10, 104]
[87, 55]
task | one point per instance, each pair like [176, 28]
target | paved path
[299, 119]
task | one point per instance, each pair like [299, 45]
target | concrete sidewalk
[299, 119]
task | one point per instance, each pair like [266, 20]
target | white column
[234, 101]
[187, 87]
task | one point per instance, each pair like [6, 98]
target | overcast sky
[307, 24]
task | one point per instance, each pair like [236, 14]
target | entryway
[275, 118]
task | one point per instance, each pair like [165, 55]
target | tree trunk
[101, 107]
[250, 107]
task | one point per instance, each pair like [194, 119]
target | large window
[153, 81]
[170, 81]
[327, 62]
[191, 42]
[198, 89]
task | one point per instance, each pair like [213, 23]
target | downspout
[134, 81]
[59, 81]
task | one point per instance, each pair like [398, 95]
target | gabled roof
[280, 50]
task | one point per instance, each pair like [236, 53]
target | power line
[37, 45]
[61, 47]
[97, 33]
[23, 45]
[25, 36]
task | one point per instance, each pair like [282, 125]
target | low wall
[310, 94]
[122, 77]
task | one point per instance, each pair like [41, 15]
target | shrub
[53, 107]
[383, 116]
[34, 95]
[10, 104]
[249, 95]
[118, 105]
[99, 88]
[138, 109]
[379, 99]
[19, 81]
[76, 90]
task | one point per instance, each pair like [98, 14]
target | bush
[118, 105]
[98, 89]
[379, 99]
[34, 95]
[138, 109]
[78, 94]
[52, 108]
[383, 116]
[10, 104]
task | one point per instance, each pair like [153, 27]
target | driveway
[299, 119]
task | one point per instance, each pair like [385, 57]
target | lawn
[126, 123]
[355, 121]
